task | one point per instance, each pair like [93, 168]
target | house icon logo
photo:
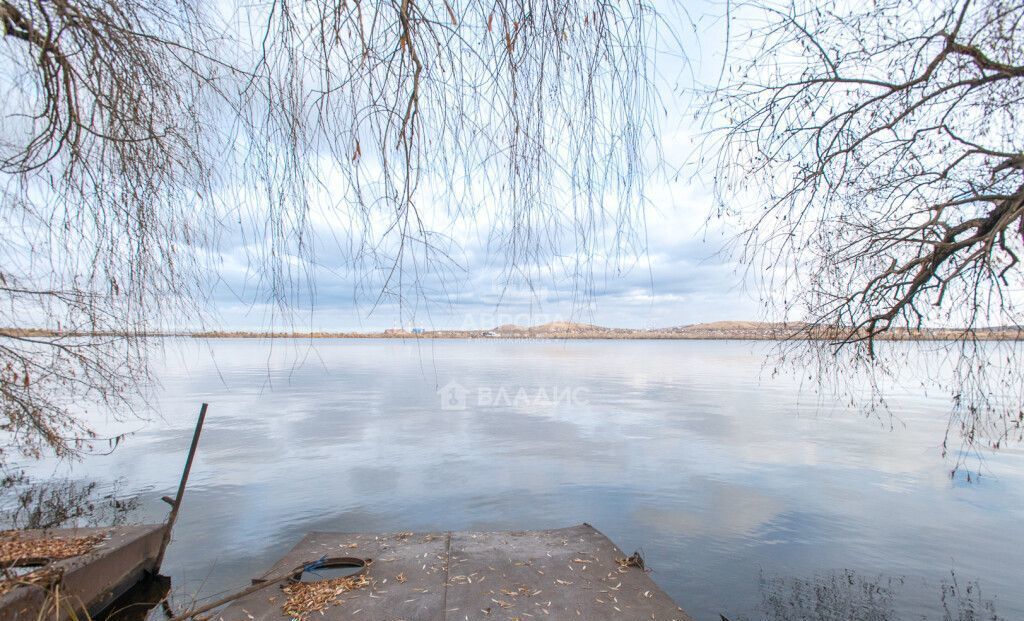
[453, 396]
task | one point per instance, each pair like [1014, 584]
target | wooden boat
[571, 573]
[116, 559]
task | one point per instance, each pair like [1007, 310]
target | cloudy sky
[683, 277]
[675, 272]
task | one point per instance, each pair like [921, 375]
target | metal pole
[176, 503]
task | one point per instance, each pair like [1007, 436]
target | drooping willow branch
[142, 140]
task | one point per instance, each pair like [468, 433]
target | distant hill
[763, 329]
[715, 330]
[565, 326]
[712, 330]
[735, 330]
[722, 325]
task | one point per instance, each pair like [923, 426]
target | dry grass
[17, 549]
[43, 578]
[305, 598]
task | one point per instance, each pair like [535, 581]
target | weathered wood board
[570, 573]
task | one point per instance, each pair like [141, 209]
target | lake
[747, 495]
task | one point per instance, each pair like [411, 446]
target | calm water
[745, 495]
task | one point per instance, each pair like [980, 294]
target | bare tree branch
[137, 136]
[873, 157]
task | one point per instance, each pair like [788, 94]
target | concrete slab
[92, 580]
[570, 573]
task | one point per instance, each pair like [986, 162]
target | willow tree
[137, 136]
[873, 154]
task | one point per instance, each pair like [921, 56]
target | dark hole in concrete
[332, 568]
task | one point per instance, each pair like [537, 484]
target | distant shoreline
[719, 331]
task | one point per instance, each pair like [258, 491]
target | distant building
[418, 330]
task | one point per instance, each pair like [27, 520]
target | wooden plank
[176, 502]
[563, 574]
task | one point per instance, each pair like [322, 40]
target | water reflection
[28, 503]
[683, 450]
[847, 595]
